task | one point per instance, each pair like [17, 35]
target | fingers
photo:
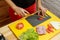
[26, 12]
[43, 10]
[43, 13]
[21, 12]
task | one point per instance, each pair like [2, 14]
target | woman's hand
[43, 10]
[20, 11]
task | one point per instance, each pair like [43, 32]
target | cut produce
[30, 34]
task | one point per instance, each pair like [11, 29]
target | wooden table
[7, 33]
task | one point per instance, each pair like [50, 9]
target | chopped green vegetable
[30, 34]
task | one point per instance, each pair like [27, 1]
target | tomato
[50, 26]
[20, 26]
[47, 30]
[50, 29]
[40, 18]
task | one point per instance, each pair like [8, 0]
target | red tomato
[47, 30]
[50, 29]
[40, 18]
[50, 26]
[20, 26]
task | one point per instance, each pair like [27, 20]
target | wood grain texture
[7, 33]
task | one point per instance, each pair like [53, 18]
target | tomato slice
[40, 18]
[47, 30]
[20, 26]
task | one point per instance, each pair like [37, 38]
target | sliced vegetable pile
[30, 34]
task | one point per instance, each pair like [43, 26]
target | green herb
[30, 34]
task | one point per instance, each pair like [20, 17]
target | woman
[20, 7]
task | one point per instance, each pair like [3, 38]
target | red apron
[14, 17]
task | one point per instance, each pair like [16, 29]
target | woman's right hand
[20, 11]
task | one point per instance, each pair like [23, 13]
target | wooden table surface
[7, 33]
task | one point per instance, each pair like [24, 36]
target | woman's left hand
[43, 10]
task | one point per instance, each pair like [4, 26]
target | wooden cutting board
[7, 33]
